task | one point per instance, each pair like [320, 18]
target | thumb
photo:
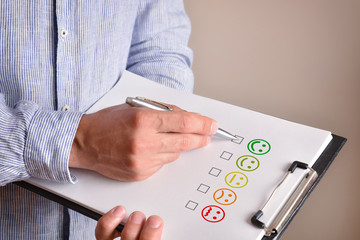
[106, 226]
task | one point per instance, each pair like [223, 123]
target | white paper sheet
[195, 195]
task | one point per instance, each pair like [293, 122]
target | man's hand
[131, 143]
[136, 227]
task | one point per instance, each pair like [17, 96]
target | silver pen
[144, 102]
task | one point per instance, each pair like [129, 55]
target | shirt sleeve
[35, 143]
[159, 48]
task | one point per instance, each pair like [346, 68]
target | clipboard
[191, 198]
[319, 168]
[302, 192]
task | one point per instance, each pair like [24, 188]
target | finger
[177, 143]
[133, 226]
[176, 108]
[185, 122]
[105, 228]
[165, 158]
[170, 143]
[152, 228]
[149, 166]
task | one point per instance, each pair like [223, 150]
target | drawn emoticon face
[248, 163]
[224, 196]
[213, 214]
[236, 179]
[259, 146]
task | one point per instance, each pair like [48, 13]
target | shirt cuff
[48, 145]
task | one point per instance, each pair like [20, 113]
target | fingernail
[154, 222]
[136, 218]
[214, 127]
[118, 212]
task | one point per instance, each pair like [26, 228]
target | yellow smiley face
[236, 179]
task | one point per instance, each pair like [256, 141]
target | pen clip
[156, 103]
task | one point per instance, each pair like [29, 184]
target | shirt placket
[65, 77]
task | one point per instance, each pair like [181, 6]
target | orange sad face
[225, 196]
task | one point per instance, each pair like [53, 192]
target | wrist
[78, 158]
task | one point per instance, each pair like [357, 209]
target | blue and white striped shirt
[56, 59]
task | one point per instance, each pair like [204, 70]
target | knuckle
[137, 175]
[158, 122]
[126, 235]
[132, 165]
[205, 124]
[185, 123]
[138, 146]
[173, 157]
[185, 143]
[142, 118]
[134, 169]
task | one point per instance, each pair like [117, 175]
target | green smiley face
[259, 146]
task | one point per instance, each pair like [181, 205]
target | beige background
[298, 60]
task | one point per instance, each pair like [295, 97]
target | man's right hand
[132, 143]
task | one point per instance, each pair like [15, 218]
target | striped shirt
[56, 59]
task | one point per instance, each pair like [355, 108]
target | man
[56, 59]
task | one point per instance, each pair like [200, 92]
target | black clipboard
[302, 192]
[320, 167]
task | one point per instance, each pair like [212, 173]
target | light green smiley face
[248, 163]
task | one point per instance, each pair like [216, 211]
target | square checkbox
[238, 139]
[226, 155]
[215, 172]
[191, 205]
[203, 188]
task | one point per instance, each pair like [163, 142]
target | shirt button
[63, 33]
[65, 108]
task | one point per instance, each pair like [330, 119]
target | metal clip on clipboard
[291, 204]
